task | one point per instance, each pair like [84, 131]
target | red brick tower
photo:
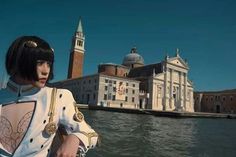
[77, 54]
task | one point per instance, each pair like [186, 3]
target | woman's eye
[40, 62]
[49, 63]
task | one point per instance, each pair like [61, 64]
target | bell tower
[77, 53]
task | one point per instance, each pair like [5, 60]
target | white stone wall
[107, 86]
[171, 89]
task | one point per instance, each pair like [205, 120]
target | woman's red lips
[42, 80]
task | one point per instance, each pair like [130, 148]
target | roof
[133, 58]
[80, 28]
[146, 70]
[112, 64]
[228, 91]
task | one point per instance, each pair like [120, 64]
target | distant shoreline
[173, 114]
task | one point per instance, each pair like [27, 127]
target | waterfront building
[163, 86]
[160, 86]
[215, 101]
[103, 90]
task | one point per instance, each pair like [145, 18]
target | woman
[30, 112]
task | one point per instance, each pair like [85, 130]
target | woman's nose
[45, 69]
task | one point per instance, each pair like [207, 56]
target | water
[133, 135]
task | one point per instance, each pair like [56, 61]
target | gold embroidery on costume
[78, 116]
[89, 136]
[51, 127]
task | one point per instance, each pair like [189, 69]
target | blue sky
[203, 30]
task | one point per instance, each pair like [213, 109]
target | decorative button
[60, 95]
[41, 146]
[64, 108]
[44, 121]
[78, 116]
[50, 128]
[31, 140]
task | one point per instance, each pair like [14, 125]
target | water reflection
[148, 136]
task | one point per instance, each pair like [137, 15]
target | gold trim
[51, 127]
[89, 136]
[78, 116]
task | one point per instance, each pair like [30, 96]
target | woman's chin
[39, 84]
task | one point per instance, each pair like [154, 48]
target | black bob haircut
[22, 56]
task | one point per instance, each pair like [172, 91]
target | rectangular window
[79, 43]
[109, 96]
[126, 90]
[105, 88]
[126, 98]
[105, 97]
[106, 80]
[223, 98]
[113, 97]
[94, 96]
[114, 89]
[133, 91]
[132, 99]
[127, 84]
[133, 85]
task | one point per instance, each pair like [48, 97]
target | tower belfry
[77, 53]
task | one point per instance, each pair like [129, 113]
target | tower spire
[80, 28]
[77, 53]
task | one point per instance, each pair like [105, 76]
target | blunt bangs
[22, 58]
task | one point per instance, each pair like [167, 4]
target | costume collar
[21, 89]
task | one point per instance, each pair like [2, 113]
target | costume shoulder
[65, 92]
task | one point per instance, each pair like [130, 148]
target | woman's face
[43, 70]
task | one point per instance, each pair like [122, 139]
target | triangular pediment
[190, 83]
[159, 76]
[178, 61]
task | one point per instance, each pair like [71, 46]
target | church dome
[133, 59]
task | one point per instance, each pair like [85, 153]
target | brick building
[216, 102]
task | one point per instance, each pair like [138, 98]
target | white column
[180, 91]
[165, 89]
[171, 89]
[185, 91]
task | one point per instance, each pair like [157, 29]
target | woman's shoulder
[60, 91]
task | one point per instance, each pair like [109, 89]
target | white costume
[24, 115]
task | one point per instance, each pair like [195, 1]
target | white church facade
[160, 86]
